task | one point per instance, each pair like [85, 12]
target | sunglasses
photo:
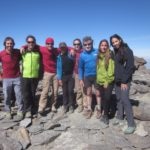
[76, 44]
[30, 42]
[50, 44]
[88, 44]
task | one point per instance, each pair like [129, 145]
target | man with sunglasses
[31, 64]
[87, 72]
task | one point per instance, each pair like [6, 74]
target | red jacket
[10, 63]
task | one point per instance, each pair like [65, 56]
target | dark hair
[87, 38]
[107, 54]
[77, 39]
[117, 37]
[31, 36]
[7, 39]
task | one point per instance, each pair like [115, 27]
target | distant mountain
[148, 62]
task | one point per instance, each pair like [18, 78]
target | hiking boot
[105, 120]
[40, 110]
[54, 109]
[8, 115]
[88, 114]
[28, 114]
[98, 113]
[117, 121]
[19, 116]
[80, 108]
[71, 110]
[64, 110]
[129, 130]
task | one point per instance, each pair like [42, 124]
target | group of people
[79, 68]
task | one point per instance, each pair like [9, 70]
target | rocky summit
[55, 131]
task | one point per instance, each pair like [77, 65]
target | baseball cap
[49, 40]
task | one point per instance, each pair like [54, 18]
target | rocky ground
[56, 131]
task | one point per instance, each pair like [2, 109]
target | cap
[49, 40]
[62, 44]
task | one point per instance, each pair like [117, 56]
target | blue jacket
[65, 65]
[87, 63]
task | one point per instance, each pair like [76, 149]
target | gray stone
[26, 122]
[7, 143]
[44, 137]
[36, 129]
[4, 125]
[51, 125]
[61, 128]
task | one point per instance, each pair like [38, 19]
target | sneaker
[64, 110]
[129, 130]
[105, 120]
[98, 113]
[8, 115]
[80, 108]
[54, 109]
[19, 116]
[116, 121]
[88, 114]
[28, 114]
[71, 110]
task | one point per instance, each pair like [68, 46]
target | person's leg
[65, 93]
[27, 97]
[127, 106]
[44, 93]
[54, 93]
[120, 109]
[7, 89]
[34, 103]
[18, 93]
[79, 94]
[71, 92]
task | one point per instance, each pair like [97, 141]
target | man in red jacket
[10, 58]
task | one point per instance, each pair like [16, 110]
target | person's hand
[60, 82]
[105, 86]
[81, 83]
[124, 86]
[22, 50]
[72, 52]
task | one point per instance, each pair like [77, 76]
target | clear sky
[65, 20]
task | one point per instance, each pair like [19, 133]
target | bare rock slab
[26, 122]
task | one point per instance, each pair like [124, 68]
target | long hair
[9, 39]
[77, 39]
[107, 54]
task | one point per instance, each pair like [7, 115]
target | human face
[30, 43]
[63, 49]
[116, 43]
[103, 47]
[88, 45]
[9, 45]
[77, 45]
[50, 46]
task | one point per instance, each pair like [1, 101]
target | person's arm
[128, 66]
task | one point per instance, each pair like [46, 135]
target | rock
[61, 128]
[140, 130]
[51, 125]
[141, 88]
[139, 62]
[23, 137]
[7, 143]
[26, 122]
[44, 137]
[142, 112]
[4, 125]
[36, 129]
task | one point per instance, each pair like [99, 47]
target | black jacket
[124, 65]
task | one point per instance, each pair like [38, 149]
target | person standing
[65, 68]
[124, 68]
[10, 59]
[87, 75]
[105, 77]
[31, 64]
[80, 96]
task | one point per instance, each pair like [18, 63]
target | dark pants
[106, 98]
[29, 86]
[68, 87]
[124, 104]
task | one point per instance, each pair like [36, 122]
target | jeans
[8, 86]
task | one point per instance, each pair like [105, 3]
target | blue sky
[65, 20]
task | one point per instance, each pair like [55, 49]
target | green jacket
[105, 75]
[31, 64]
